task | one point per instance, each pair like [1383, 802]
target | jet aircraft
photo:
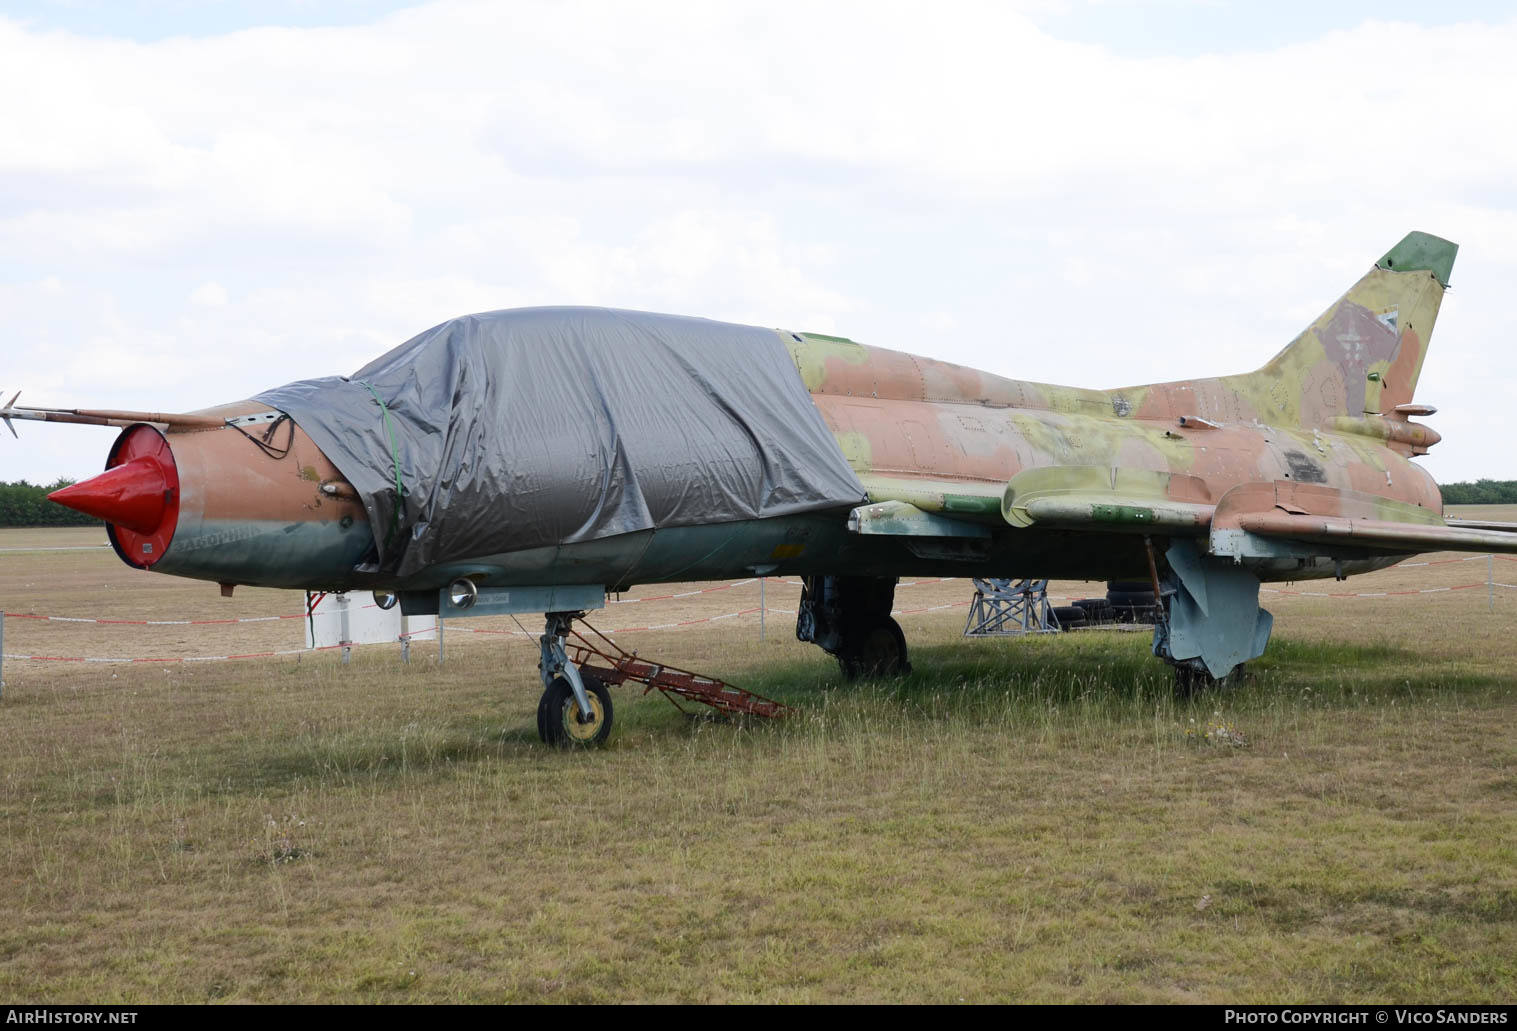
[533, 460]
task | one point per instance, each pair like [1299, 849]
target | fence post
[439, 639]
[1490, 582]
[2, 654]
[761, 607]
[344, 630]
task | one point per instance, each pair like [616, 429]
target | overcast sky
[201, 201]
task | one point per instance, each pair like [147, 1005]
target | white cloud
[209, 295]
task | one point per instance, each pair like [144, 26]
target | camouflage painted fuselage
[966, 473]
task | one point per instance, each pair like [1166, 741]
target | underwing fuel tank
[254, 501]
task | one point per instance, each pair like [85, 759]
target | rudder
[1364, 354]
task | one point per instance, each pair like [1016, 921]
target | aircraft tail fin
[1363, 355]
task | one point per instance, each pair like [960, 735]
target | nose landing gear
[575, 709]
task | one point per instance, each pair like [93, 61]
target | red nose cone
[133, 495]
[138, 495]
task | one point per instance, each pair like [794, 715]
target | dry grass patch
[1018, 820]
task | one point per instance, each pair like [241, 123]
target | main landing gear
[849, 617]
[1212, 623]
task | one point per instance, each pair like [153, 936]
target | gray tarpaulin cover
[527, 427]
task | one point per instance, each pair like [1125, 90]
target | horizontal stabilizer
[1316, 514]
[1376, 534]
[1483, 524]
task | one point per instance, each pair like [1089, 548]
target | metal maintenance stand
[1010, 608]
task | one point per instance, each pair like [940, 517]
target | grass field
[1018, 820]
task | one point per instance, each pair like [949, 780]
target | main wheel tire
[1070, 616]
[559, 721]
[878, 651]
[1190, 682]
[1097, 610]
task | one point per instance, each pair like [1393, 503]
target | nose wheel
[575, 709]
[561, 723]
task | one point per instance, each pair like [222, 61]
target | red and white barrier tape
[151, 622]
[729, 586]
[754, 580]
[1381, 594]
[177, 658]
[1442, 561]
[685, 594]
[454, 628]
[903, 583]
[302, 615]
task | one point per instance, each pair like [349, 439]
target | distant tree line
[22, 504]
[1481, 492]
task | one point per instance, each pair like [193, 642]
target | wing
[1105, 500]
[1099, 500]
[1059, 497]
[973, 500]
